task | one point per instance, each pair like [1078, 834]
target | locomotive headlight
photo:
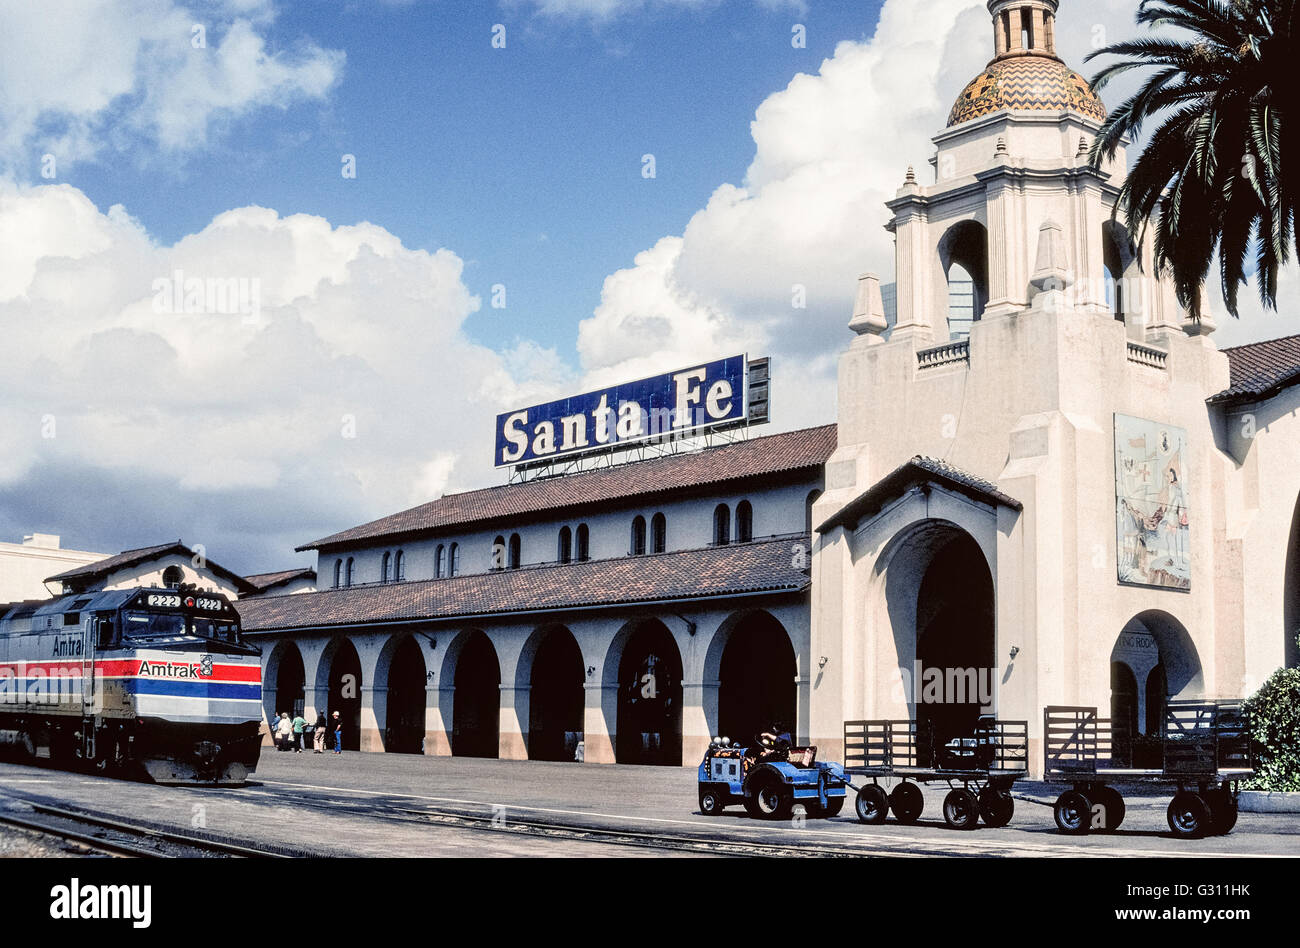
[189, 602]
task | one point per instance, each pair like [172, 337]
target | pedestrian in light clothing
[299, 725]
[285, 731]
[318, 736]
[337, 727]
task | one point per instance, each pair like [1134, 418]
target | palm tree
[1213, 174]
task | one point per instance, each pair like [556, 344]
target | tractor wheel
[1223, 810]
[1073, 812]
[1112, 804]
[996, 807]
[872, 805]
[711, 801]
[907, 802]
[1189, 815]
[771, 799]
[961, 809]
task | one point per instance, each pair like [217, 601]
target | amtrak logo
[205, 666]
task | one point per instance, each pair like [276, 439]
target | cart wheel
[832, 808]
[1223, 811]
[711, 802]
[1189, 815]
[1073, 812]
[907, 802]
[771, 799]
[961, 809]
[996, 807]
[1112, 804]
[873, 804]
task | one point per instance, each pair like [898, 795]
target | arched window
[440, 562]
[583, 545]
[638, 536]
[499, 553]
[399, 567]
[515, 551]
[453, 560]
[564, 551]
[338, 573]
[383, 569]
[744, 522]
[721, 525]
[1119, 260]
[347, 573]
[813, 497]
[658, 533]
[963, 254]
[172, 577]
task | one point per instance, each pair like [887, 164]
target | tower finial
[1022, 27]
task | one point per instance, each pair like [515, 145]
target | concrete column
[437, 738]
[699, 711]
[1037, 33]
[601, 706]
[374, 715]
[1016, 26]
[913, 318]
[1000, 35]
[512, 735]
[802, 704]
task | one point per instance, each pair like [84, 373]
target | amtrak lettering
[150, 669]
[67, 647]
[667, 406]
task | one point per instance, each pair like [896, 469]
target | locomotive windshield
[163, 628]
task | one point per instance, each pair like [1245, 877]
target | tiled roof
[757, 457]
[918, 470]
[763, 566]
[1261, 369]
[83, 576]
[264, 581]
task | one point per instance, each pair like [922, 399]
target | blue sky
[364, 364]
[525, 160]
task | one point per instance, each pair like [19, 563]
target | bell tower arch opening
[964, 260]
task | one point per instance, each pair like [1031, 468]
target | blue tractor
[769, 781]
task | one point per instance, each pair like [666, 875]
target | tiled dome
[1026, 83]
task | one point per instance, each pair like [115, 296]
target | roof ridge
[1260, 342]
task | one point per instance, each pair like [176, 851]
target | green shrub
[1275, 727]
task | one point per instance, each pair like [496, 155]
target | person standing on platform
[299, 725]
[318, 736]
[285, 730]
[337, 727]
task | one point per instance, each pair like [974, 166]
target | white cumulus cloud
[77, 75]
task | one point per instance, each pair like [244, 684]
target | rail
[950, 353]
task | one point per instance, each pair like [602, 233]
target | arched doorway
[649, 723]
[556, 697]
[1123, 711]
[290, 681]
[476, 710]
[1291, 595]
[938, 591]
[756, 679]
[404, 730]
[345, 694]
[954, 635]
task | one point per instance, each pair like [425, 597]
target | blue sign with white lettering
[667, 406]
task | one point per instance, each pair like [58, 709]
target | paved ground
[388, 804]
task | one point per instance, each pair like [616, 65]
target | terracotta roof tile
[265, 581]
[764, 566]
[773, 454]
[1261, 369]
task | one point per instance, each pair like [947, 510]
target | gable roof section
[83, 576]
[792, 451]
[1260, 370]
[738, 569]
[919, 470]
[265, 581]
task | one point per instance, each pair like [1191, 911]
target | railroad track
[115, 837]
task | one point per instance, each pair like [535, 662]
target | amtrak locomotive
[150, 682]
